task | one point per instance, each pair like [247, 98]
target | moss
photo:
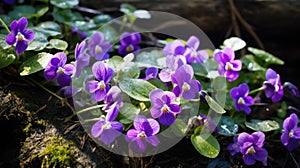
[58, 153]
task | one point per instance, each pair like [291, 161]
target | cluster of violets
[164, 107]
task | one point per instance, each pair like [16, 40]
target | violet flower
[150, 73]
[9, 2]
[144, 130]
[174, 48]
[107, 129]
[273, 87]
[19, 35]
[129, 43]
[207, 123]
[291, 132]
[234, 147]
[252, 147]
[80, 33]
[292, 89]
[57, 68]
[98, 47]
[163, 106]
[99, 87]
[191, 53]
[113, 101]
[173, 63]
[186, 87]
[228, 67]
[242, 100]
[82, 58]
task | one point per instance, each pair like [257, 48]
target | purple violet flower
[292, 89]
[252, 148]
[173, 63]
[207, 123]
[144, 130]
[191, 53]
[107, 129]
[98, 47]
[185, 85]
[174, 48]
[273, 87]
[163, 106]
[150, 73]
[82, 58]
[113, 101]
[129, 43]
[242, 100]
[9, 2]
[228, 67]
[234, 147]
[19, 35]
[99, 87]
[80, 33]
[57, 68]
[291, 132]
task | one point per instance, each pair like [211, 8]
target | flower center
[142, 135]
[20, 36]
[101, 85]
[194, 54]
[60, 70]
[185, 87]
[130, 48]
[165, 109]
[98, 49]
[106, 126]
[250, 150]
[241, 101]
[228, 66]
[291, 133]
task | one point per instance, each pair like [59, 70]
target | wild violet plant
[141, 102]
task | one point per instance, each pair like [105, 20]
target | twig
[245, 24]
[5, 26]
[235, 25]
[295, 161]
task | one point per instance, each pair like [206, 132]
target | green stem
[4, 24]
[257, 90]
[90, 108]
[91, 120]
[47, 90]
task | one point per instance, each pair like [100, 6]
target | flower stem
[91, 120]
[257, 90]
[4, 24]
[90, 108]
[294, 160]
[47, 90]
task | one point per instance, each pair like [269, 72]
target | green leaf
[22, 10]
[102, 19]
[40, 42]
[159, 84]
[58, 44]
[109, 33]
[154, 58]
[48, 28]
[35, 63]
[115, 62]
[64, 3]
[264, 126]
[3, 43]
[40, 12]
[66, 15]
[137, 88]
[129, 112]
[265, 56]
[81, 25]
[127, 8]
[227, 126]
[220, 83]
[6, 58]
[206, 145]
[214, 105]
[251, 63]
[199, 69]
[130, 71]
